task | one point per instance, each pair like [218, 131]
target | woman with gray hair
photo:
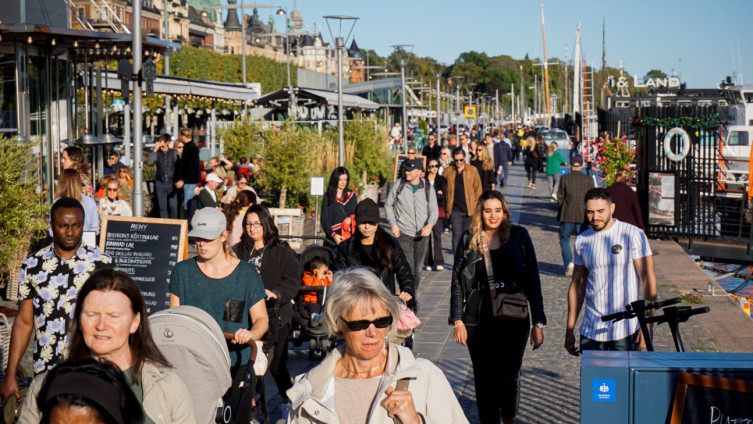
[370, 380]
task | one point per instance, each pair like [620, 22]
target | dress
[333, 213]
[52, 283]
[313, 392]
[166, 398]
[612, 279]
[496, 346]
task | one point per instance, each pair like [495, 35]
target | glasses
[253, 225]
[459, 160]
[112, 189]
[433, 166]
[411, 153]
[363, 324]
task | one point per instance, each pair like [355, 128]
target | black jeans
[460, 222]
[531, 171]
[497, 347]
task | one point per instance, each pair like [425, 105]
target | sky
[697, 39]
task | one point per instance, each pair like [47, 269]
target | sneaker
[439, 268]
[569, 270]
[427, 268]
[533, 186]
[554, 196]
[529, 183]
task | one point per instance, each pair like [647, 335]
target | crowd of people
[89, 324]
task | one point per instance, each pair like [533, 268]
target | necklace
[376, 368]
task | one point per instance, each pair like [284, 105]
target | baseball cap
[412, 164]
[577, 160]
[213, 177]
[208, 224]
[367, 211]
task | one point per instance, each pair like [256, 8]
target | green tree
[243, 138]
[655, 73]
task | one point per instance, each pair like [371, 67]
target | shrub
[614, 154]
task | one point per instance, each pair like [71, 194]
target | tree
[655, 73]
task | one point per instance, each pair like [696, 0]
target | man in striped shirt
[613, 267]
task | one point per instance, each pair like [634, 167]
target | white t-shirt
[612, 279]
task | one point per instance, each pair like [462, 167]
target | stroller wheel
[312, 349]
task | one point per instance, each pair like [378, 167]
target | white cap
[213, 177]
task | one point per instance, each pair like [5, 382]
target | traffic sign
[470, 111]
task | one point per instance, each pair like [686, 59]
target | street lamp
[400, 50]
[339, 45]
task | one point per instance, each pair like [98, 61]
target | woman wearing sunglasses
[369, 380]
[111, 203]
[434, 258]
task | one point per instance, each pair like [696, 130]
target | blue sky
[644, 34]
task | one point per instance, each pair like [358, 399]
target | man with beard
[48, 287]
[613, 267]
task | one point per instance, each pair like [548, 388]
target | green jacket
[553, 163]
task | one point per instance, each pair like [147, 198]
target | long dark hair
[89, 383]
[477, 224]
[332, 185]
[271, 235]
[383, 245]
[140, 343]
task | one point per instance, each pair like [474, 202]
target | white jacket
[313, 393]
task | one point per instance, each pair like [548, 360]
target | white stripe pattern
[612, 278]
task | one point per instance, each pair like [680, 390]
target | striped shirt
[612, 279]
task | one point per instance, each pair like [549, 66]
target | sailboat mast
[576, 72]
[546, 69]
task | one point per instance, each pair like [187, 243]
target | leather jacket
[468, 274]
[350, 254]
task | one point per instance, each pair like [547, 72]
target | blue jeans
[567, 229]
[188, 194]
[167, 198]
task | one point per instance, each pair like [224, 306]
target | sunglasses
[459, 160]
[363, 324]
[113, 189]
[433, 166]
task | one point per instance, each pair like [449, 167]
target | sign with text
[147, 249]
[399, 160]
[707, 399]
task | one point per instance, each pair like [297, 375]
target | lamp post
[400, 50]
[457, 103]
[439, 74]
[138, 193]
[339, 45]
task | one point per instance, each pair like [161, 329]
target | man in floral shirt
[48, 287]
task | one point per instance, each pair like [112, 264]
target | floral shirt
[52, 283]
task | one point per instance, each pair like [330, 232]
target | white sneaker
[554, 196]
[427, 268]
[439, 268]
[569, 270]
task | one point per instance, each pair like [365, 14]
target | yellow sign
[470, 111]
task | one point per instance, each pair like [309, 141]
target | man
[463, 191]
[411, 209]
[432, 150]
[219, 161]
[189, 170]
[464, 143]
[613, 267]
[166, 160]
[571, 214]
[48, 285]
[396, 134]
[411, 157]
[113, 164]
[502, 160]
[208, 197]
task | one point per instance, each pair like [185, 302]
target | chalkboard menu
[146, 249]
[706, 399]
[400, 159]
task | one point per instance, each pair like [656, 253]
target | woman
[541, 151]
[276, 262]
[554, 160]
[373, 247]
[496, 345]
[626, 206]
[235, 212]
[532, 161]
[241, 184]
[369, 380]
[111, 203]
[434, 258]
[485, 166]
[73, 158]
[338, 203]
[227, 288]
[445, 159]
[125, 178]
[69, 185]
[88, 390]
[109, 324]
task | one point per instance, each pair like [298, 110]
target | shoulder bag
[507, 306]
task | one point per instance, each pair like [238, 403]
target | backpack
[427, 187]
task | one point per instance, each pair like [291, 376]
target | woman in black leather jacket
[496, 345]
[373, 247]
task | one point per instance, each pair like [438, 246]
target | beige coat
[471, 185]
[166, 397]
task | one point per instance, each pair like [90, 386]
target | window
[738, 138]
[704, 102]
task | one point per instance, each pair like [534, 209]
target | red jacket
[310, 280]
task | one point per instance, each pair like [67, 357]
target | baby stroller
[195, 345]
[303, 329]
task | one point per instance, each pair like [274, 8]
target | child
[318, 275]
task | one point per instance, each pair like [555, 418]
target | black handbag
[507, 306]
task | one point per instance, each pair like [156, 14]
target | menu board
[705, 399]
[399, 160]
[147, 249]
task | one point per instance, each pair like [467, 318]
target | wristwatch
[539, 325]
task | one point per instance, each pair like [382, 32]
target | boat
[736, 133]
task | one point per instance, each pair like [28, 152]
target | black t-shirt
[459, 202]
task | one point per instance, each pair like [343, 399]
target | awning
[184, 86]
[306, 96]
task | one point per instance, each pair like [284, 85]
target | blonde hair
[187, 132]
[477, 221]
[487, 161]
[69, 184]
[553, 147]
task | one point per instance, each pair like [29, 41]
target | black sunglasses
[433, 166]
[363, 324]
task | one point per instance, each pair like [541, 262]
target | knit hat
[367, 211]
